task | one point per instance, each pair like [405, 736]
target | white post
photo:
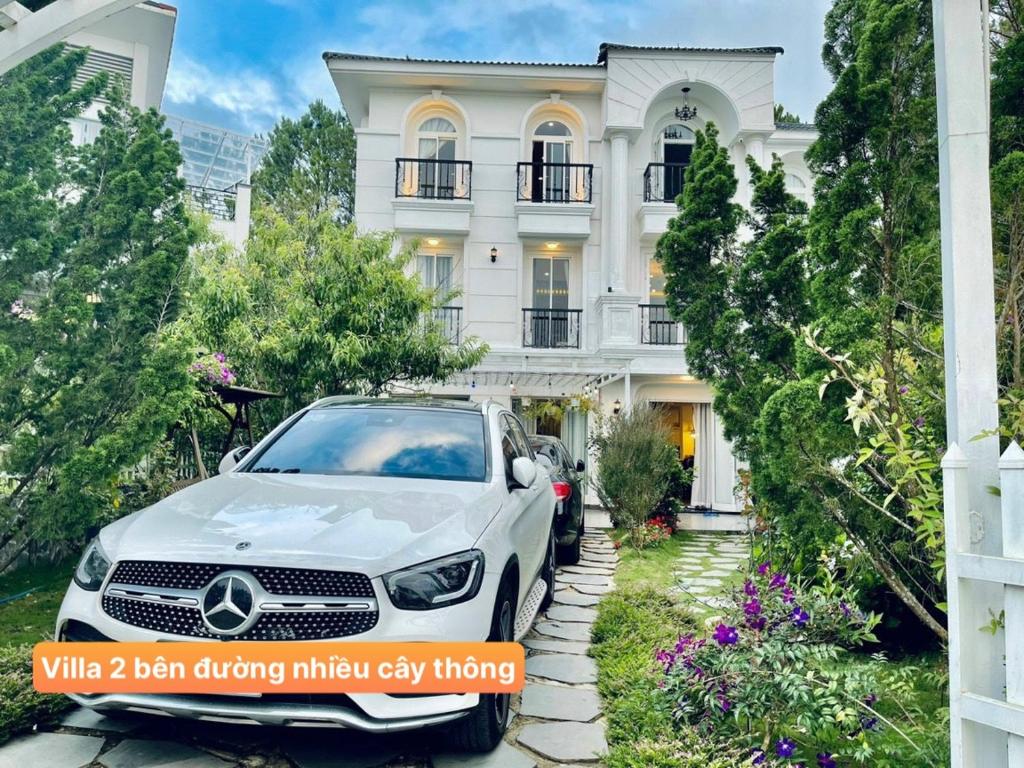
[627, 387]
[961, 30]
[1011, 487]
[956, 510]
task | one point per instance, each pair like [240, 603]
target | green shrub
[635, 465]
[21, 706]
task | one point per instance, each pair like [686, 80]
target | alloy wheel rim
[501, 700]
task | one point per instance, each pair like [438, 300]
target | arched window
[552, 154]
[436, 174]
[796, 187]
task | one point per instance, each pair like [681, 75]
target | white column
[970, 354]
[618, 228]
[755, 149]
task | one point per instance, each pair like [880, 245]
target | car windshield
[383, 441]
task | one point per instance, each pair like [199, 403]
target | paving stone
[89, 719]
[564, 630]
[572, 613]
[565, 741]
[503, 756]
[598, 557]
[342, 749]
[53, 750]
[556, 702]
[133, 753]
[569, 597]
[563, 668]
[555, 646]
[703, 582]
[592, 589]
[587, 569]
[583, 578]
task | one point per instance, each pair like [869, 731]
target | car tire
[548, 571]
[483, 728]
[569, 554]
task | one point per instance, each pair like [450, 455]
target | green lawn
[32, 618]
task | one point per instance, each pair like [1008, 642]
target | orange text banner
[278, 667]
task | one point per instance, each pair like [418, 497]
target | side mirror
[524, 471]
[580, 466]
[544, 461]
[231, 459]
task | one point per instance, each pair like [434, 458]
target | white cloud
[253, 97]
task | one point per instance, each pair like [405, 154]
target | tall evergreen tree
[90, 378]
[310, 165]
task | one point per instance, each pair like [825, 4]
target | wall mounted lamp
[616, 406]
[494, 254]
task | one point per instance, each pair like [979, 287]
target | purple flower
[919, 422]
[778, 581]
[800, 616]
[666, 658]
[785, 747]
[871, 699]
[725, 635]
[845, 609]
[220, 357]
[764, 567]
[757, 756]
[869, 723]
[752, 608]
[757, 624]
[788, 596]
[749, 588]
[825, 760]
[724, 703]
[904, 389]
[684, 642]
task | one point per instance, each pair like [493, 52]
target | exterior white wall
[616, 122]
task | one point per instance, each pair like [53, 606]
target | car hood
[369, 524]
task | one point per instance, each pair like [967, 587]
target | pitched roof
[796, 127]
[764, 50]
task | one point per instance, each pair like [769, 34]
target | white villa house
[539, 191]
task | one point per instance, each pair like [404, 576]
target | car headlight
[92, 568]
[437, 583]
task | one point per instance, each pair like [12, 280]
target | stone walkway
[556, 721]
[709, 565]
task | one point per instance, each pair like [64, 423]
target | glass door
[437, 179]
[552, 152]
[676, 148]
[550, 322]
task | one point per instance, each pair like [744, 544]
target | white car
[360, 519]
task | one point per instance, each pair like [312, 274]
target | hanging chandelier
[686, 112]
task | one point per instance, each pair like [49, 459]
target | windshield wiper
[289, 471]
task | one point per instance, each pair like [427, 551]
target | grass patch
[24, 622]
[632, 622]
[31, 618]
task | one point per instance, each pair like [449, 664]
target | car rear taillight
[562, 490]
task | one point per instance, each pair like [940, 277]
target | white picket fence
[985, 725]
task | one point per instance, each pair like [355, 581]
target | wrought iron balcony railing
[663, 182]
[219, 203]
[658, 327]
[433, 179]
[551, 328]
[554, 182]
[450, 320]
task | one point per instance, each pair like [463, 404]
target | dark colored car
[567, 481]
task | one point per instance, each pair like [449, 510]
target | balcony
[657, 326]
[551, 328]
[554, 200]
[218, 203]
[663, 183]
[433, 196]
[450, 321]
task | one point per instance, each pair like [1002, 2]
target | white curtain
[703, 460]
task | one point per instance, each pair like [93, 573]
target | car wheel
[483, 727]
[548, 572]
[570, 553]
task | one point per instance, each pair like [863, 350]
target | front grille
[187, 621]
[180, 620]
[278, 581]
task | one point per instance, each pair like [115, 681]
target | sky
[242, 64]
